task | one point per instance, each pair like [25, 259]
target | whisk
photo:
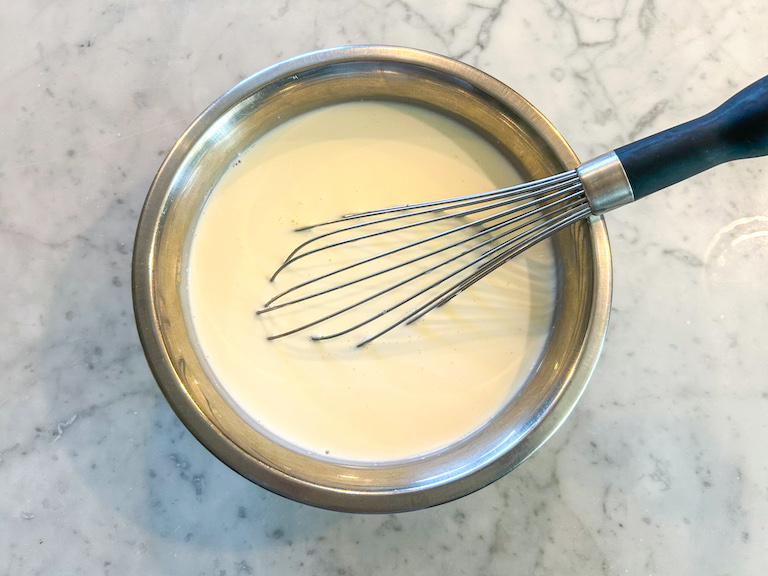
[493, 227]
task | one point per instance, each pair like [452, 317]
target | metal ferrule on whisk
[605, 183]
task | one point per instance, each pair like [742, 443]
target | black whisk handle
[736, 129]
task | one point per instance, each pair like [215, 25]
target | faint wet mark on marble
[738, 296]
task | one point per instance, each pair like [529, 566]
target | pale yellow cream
[420, 387]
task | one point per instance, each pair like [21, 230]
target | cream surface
[420, 387]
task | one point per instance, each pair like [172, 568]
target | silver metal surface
[203, 154]
[605, 183]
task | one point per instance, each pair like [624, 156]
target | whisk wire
[508, 196]
[508, 214]
[528, 213]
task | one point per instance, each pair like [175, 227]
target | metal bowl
[251, 109]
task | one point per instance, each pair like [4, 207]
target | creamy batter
[420, 387]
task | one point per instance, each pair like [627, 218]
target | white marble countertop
[661, 468]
